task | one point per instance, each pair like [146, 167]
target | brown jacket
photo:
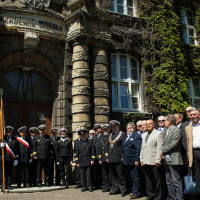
[189, 138]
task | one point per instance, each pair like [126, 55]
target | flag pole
[2, 139]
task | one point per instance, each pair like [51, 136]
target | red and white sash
[24, 142]
[10, 152]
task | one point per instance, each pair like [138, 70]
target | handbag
[190, 185]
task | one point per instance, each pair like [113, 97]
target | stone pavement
[58, 193]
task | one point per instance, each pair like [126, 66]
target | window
[187, 19]
[195, 91]
[125, 7]
[125, 83]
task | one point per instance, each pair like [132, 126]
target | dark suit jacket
[131, 149]
[184, 140]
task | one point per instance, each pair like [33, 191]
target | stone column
[101, 86]
[80, 88]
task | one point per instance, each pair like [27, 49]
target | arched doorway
[27, 98]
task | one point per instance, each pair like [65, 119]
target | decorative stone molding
[31, 41]
[80, 73]
[101, 92]
[80, 108]
[101, 76]
[80, 56]
[81, 125]
[101, 59]
[80, 90]
[102, 110]
[36, 4]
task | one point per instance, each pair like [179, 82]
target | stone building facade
[56, 65]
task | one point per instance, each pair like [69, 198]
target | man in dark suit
[84, 159]
[114, 155]
[32, 166]
[25, 153]
[42, 151]
[171, 153]
[97, 140]
[53, 162]
[11, 156]
[77, 169]
[131, 158]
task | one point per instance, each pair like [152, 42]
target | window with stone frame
[187, 19]
[125, 83]
[194, 92]
[125, 7]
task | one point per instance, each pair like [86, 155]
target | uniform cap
[53, 129]
[96, 126]
[8, 128]
[114, 122]
[105, 126]
[33, 129]
[82, 131]
[41, 127]
[23, 128]
[63, 129]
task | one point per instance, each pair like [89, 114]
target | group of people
[144, 160]
[33, 153]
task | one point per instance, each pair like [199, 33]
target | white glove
[30, 161]
[3, 145]
[57, 163]
[71, 163]
[15, 162]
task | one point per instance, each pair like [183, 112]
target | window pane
[113, 71]
[192, 41]
[135, 102]
[190, 19]
[134, 70]
[134, 89]
[119, 2]
[114, 95]
[197, 103]
[120, 9]
[130, 3]
[196, 92]
[111, 6]
[130, 11]
[195, 82]
[42, 115]
[191, 32]
[123, 61]
[124, 102]
[113, 60]
[123, 90]
[123, 72]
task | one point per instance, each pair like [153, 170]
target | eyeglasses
[161, 120]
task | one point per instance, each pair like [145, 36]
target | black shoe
[26, 185]
[39, 185]
[90, 189]
[78, 186]
[67, 185]
[123, 194]
[113, 192]
[83, 189]
[9, 187]
[105, 190]
[18, 185]
[47, 184]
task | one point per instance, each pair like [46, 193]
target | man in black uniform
[77, 169]
[24, 147]
[11, 156]
[84, 159]
[32, 166]
[64, 154]
[116, 170]
[42, 152]
[103, 151]
[97, 140]
[53, 163]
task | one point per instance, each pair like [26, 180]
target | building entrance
[27, 99]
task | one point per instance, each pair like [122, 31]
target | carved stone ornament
[101, 92]
[102, 110]
[80, 108]
[77, 126]
[80, 90]
[101, 76]
[36, 4]
[79, 56]
[31, 41]
[101, 59]
[82, 73]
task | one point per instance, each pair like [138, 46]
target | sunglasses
[161, 120]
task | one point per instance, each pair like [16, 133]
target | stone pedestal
[101, 86]
[80, 88]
